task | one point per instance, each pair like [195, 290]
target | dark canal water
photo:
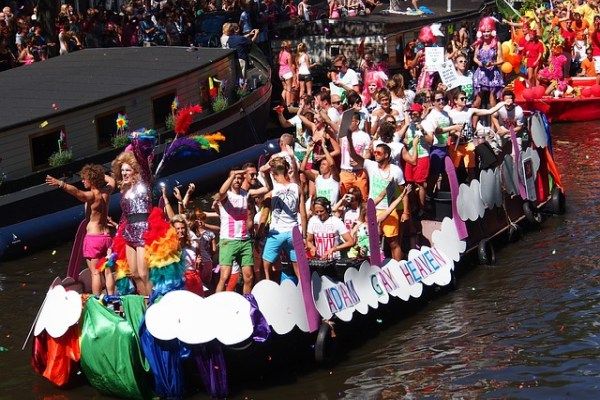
[528, 327]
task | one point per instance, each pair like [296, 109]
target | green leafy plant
[170, 122]
[243, 91]
[220, 102]
[119, 140]
[60, 158]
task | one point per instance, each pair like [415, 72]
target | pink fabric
[96, 246]
[554, 70]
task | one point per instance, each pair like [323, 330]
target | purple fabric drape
[262, 330]
[213, 370]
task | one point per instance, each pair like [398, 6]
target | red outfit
[533, 50]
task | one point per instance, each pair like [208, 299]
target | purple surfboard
[518, 181]
[77, 251]
[373, 229]
[461, 227]
[314, 319]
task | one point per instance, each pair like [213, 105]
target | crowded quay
[342, 199]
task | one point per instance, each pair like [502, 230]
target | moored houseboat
[71, 103]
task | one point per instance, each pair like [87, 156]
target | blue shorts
[277, 241]
[437, 157]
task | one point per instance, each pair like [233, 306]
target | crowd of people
[369, 134]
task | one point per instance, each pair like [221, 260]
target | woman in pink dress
[286, 71]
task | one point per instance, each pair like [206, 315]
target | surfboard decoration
[373, 230]
[305, 280]
[76, 257]
[461, 227]
[517, 155]
[537, 127]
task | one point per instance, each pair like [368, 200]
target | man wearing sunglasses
[347, 78]
[386, 182]
[465, 77]
[463, 148]
[438, 124]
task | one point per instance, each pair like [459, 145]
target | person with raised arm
[97, 239]
[384, 176]
[235, 242]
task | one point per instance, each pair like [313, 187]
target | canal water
[528, 327]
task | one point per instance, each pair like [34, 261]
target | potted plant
[120, 138]
[63, 155]
[220, 102]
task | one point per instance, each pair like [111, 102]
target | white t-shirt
[436, 119]
[395, 147]
[327, 233]
[188, 253]
[350, 78]
[233, 212]
[328, 188]
[284, 207]
[333, 114]
[203, 244]
[361, 141]
[380, 181]
[351, 217]
[512, 118]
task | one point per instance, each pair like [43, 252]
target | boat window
[106, 127]
[161, 108]
[42, 146]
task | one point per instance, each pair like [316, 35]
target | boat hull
[566, 109]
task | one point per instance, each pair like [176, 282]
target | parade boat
[129, 348]
[70, 104]
[583, 105]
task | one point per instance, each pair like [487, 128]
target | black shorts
[305, 78]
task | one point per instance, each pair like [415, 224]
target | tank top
[234, 216]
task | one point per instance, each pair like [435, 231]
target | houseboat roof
[61, 84]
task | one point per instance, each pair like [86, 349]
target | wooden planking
[80, 127]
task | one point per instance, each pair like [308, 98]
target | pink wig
[486, 23]
[370, 78]
[426, 35]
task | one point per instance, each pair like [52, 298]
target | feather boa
[184, 118]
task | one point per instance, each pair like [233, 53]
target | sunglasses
[253, 174]
[461, 61]
[336, 102]
[440, 100]
[462, 98]
[378, 152]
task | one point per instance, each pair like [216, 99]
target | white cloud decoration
[281, 304]
[447, 241]
[181, 314]
[61, 310]
[469, 203]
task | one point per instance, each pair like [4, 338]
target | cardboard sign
[434, 58]
[448, 75]
[345, 122]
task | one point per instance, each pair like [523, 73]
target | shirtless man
[97, 239]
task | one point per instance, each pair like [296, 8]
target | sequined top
[136, 200]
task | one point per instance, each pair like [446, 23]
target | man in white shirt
[235, 243]
[509, 116]
[350, 173]
[347, 78]
[386, 181]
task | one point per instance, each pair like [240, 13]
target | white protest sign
[434, 58]
[448, 75]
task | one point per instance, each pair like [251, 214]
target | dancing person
[136, 205]
[97, 239]
[488, 56]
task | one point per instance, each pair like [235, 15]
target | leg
[143, 270]
[302, 88]
[267, 269]
[309, 87]
[248, 276]
[395, 249]
[225, 273]
[110, 281]
[132, 262]
[96, 280]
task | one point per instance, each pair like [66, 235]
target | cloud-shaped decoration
[282, 305]
[181, 314]
[320, 285]
[429, 259]
[490, 190]
[406, 286]
[469, 203]
[538, 131]
[61, 310]
[508, 170]
[535, 161]
[369, 285]
[446, 240]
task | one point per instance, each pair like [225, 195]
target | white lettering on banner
[341, 296]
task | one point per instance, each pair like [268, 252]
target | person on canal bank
[344, 77]
[97, 239]
[286, 71]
